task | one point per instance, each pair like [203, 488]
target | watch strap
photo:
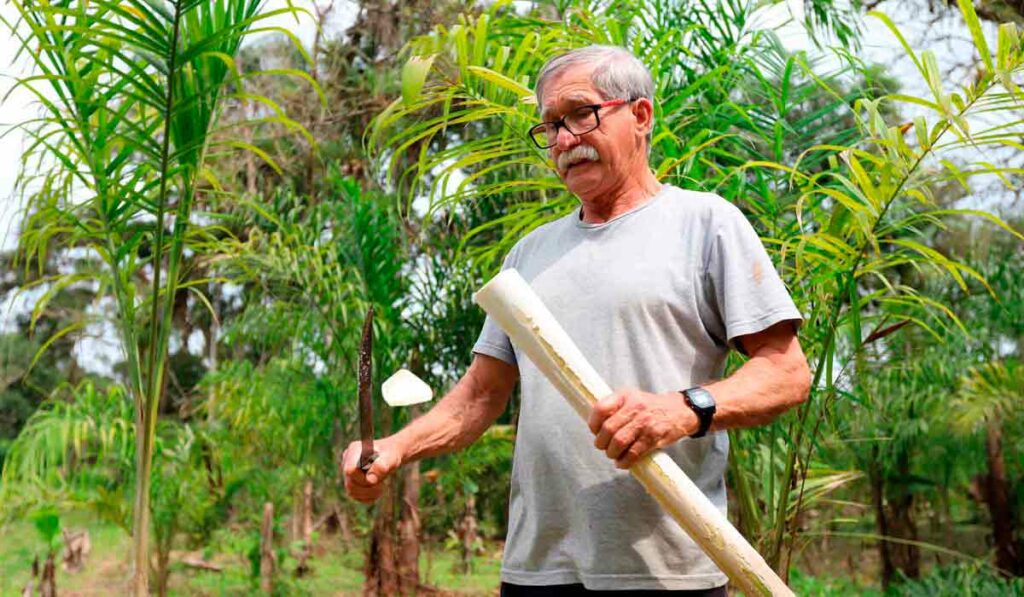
[704, 414]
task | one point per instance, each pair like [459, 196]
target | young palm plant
[130, 94]
[75, 426]
[78, 449]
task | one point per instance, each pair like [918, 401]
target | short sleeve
[742, 292]
[493, 341]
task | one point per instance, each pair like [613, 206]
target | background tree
[987, 402]
[130, 94]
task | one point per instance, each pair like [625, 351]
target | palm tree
[990, 395]
[130, 93]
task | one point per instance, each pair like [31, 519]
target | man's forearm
[767, 385]
[457, 420]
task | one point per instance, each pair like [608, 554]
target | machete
[368, 455]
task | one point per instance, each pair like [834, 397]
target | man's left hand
[630, 423]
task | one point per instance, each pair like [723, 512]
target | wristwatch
[702, 403]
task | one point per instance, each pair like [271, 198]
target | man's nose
[565, 140]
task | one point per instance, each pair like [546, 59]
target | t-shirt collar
[595, 225]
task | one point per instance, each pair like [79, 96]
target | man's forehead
[555, 99]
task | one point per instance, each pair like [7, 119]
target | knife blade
[368, 455]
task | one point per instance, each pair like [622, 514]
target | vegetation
[232, 210]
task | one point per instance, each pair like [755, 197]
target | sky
[878, 46]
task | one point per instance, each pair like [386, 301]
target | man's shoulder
[703, 209]
[703, 204]
[545, 230]
[554, 226]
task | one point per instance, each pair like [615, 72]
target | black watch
[702, 403]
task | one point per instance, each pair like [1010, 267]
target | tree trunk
[163, 570]
[297, 504]
[48, 583]
[906, 556]
[345, 527]
[1000, 507]
[250, 157]
[140, 512]
[882, 525]
[467, 532]
[381, 573]
[381, 560]
[432, 477]
[409, 530]
[307, 511]
[211, 349]
[267, 550]
[305, 528]
[945, 523]
[312, 155]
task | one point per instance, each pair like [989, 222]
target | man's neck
[633, 193]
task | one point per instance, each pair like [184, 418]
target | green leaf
[501, 80]
[899, 36]
[414, 75]
[73, 327]
[47, 522]
[974, 25]
[1007, 43]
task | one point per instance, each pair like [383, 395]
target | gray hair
[621, 74]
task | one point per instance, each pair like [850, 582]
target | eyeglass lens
[579, 121]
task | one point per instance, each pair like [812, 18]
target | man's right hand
[367, 487]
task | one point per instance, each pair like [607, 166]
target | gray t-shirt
[654, 299]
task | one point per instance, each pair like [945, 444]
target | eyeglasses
[579, 121]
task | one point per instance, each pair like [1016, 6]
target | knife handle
[365, 462]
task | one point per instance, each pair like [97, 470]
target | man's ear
[643, 111]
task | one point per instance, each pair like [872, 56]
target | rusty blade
[368, 455]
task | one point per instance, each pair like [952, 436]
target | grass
[106, 567]
[336, 570]
[845, 568]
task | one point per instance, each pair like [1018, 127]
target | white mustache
[580, 153]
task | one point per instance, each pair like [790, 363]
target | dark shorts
[510, 590]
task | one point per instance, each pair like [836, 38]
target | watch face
[700, 398]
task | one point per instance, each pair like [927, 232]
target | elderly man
[654, 284]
